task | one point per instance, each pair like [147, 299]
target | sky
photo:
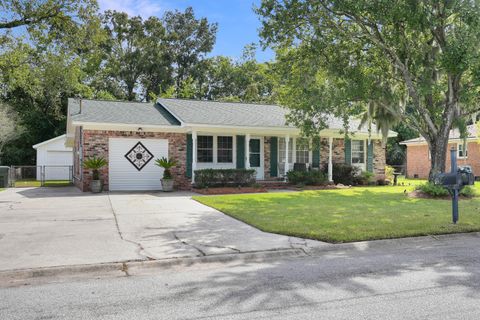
[237, 23]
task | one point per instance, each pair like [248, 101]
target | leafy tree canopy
[411, 61]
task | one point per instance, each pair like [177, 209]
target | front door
[256, 156]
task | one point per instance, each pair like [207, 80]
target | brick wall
[338, 152]
[266, 157]
[418, 162]
[95, 143]
[379, 159]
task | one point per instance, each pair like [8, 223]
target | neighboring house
[203, 134]
[418, 153]
[54, 159]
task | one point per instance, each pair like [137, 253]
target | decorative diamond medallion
[139, 156]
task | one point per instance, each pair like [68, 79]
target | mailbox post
[455, 188]
[455, 181]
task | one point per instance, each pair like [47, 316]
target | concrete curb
[136, 267]
[410, 242]
[128, 268]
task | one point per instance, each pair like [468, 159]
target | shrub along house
[204, 134]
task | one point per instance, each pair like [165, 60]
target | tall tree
[9, 127]
[41, 68]
[125, 58]
[416, 60]
[41, 13]
[189, 40]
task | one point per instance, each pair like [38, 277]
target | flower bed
[229, 190]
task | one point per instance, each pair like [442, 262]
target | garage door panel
[58, 165]
[123, 175]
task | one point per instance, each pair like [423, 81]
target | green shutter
[240, 152]
[348, 151]
[273, 156]
[189, 155]
[370, 156]
[316, 153]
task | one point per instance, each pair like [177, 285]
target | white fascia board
[127, 127]
[242, 129]
[423, 142]
[275, 131]
[48, 141]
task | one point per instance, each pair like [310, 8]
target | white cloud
[143, 8]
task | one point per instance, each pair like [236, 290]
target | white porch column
[330, 165]
[194, 154]
[287, 144]
[247, 151]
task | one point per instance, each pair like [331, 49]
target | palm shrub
[166, 164]
[95, 164]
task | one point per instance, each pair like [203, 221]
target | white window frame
[306, 149]
[213, 148]
[290, 150]
[217, 148]
[465, 156]
[215, 162]
[364, 153]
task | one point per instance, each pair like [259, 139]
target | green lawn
[35, 183]
[362, 213]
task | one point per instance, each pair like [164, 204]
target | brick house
[418, 153]
[204, 134]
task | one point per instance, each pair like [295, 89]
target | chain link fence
[41, 176]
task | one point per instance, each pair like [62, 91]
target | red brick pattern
[418, 162]
[266, 157]
[95, 143]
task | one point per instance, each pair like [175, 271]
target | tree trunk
[438, 150]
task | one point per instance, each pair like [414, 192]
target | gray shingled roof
[226, 113]
[121, 112]
[199, 112]
[453, 135]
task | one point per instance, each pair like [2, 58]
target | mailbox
[455, 180]
[449, 180]
[466, 174]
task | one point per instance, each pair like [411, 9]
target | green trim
[189, 156]
[240, 152]
[370, 156]
[316, 153]
[348, 151]
[273, 156]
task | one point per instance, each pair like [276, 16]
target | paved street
[423, 278]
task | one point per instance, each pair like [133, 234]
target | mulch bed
[229, 190]
[329, 187]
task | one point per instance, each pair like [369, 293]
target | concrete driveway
[172, 225]
[45, 227]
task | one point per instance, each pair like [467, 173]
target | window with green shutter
[348, 151]
[370, 156]
[240, 152]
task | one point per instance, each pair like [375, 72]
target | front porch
[273, 155]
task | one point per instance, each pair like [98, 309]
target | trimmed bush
[365, 178]
[309, 178]
[206, 178]
[344, 173]
[433, 190]
[439, 191]
[468, 191]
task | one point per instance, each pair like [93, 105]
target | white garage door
[132, 163]
[57, 166]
